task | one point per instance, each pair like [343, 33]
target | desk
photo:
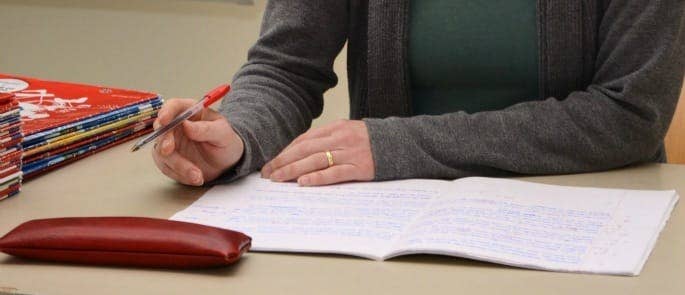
[116, 182]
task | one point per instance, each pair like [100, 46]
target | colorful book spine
[11, 136]
[63, 122]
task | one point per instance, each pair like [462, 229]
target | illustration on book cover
[38, 103]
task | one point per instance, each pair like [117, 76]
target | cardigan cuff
[392, 150]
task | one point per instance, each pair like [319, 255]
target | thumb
[212, 132]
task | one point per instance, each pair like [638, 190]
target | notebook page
[361, 219]
[543, 226]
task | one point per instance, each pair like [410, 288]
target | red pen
[206, 101]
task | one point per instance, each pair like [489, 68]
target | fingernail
[166, 144]
[303, 181]
[196, 177]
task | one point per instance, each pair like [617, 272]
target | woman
[442, 89]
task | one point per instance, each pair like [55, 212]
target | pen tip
[134, 148]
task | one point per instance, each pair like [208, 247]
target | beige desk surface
[118, 183]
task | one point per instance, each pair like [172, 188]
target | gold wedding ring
[329, 157]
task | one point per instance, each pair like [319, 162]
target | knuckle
[317, 177]
[161, 116]
[340, 122]
[289, 170]
[180, 101]
[181, 167]
[171, 165]
[174, 163]
[297, 140]
[223, 123]
[166, 170]
[306, 148]
[336, 173]
[276, 163]
[175, 104]
[203, 128]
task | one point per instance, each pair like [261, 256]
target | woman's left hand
[307, 161]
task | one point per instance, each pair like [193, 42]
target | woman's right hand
[198, 151]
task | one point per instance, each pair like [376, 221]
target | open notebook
[503, 221]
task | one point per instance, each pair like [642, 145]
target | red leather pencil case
[125, 241]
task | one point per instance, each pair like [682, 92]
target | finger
[166, 143]
[173, 108]
[334, 174]
[313, 162]
[166, 170]
[166, 114]
[217, 132]
[298, 152]
[187, 172]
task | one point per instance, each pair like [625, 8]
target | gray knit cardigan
[610, 73]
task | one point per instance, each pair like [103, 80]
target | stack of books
[64, 122]
[10, 146]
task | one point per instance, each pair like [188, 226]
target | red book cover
[50, 104]
[6, 98]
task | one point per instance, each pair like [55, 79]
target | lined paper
[543, 226]
[362, 219]
[510, 222]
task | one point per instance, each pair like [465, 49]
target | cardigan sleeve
[621, 118]
[278, 92]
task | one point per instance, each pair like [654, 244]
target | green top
[468, 55]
